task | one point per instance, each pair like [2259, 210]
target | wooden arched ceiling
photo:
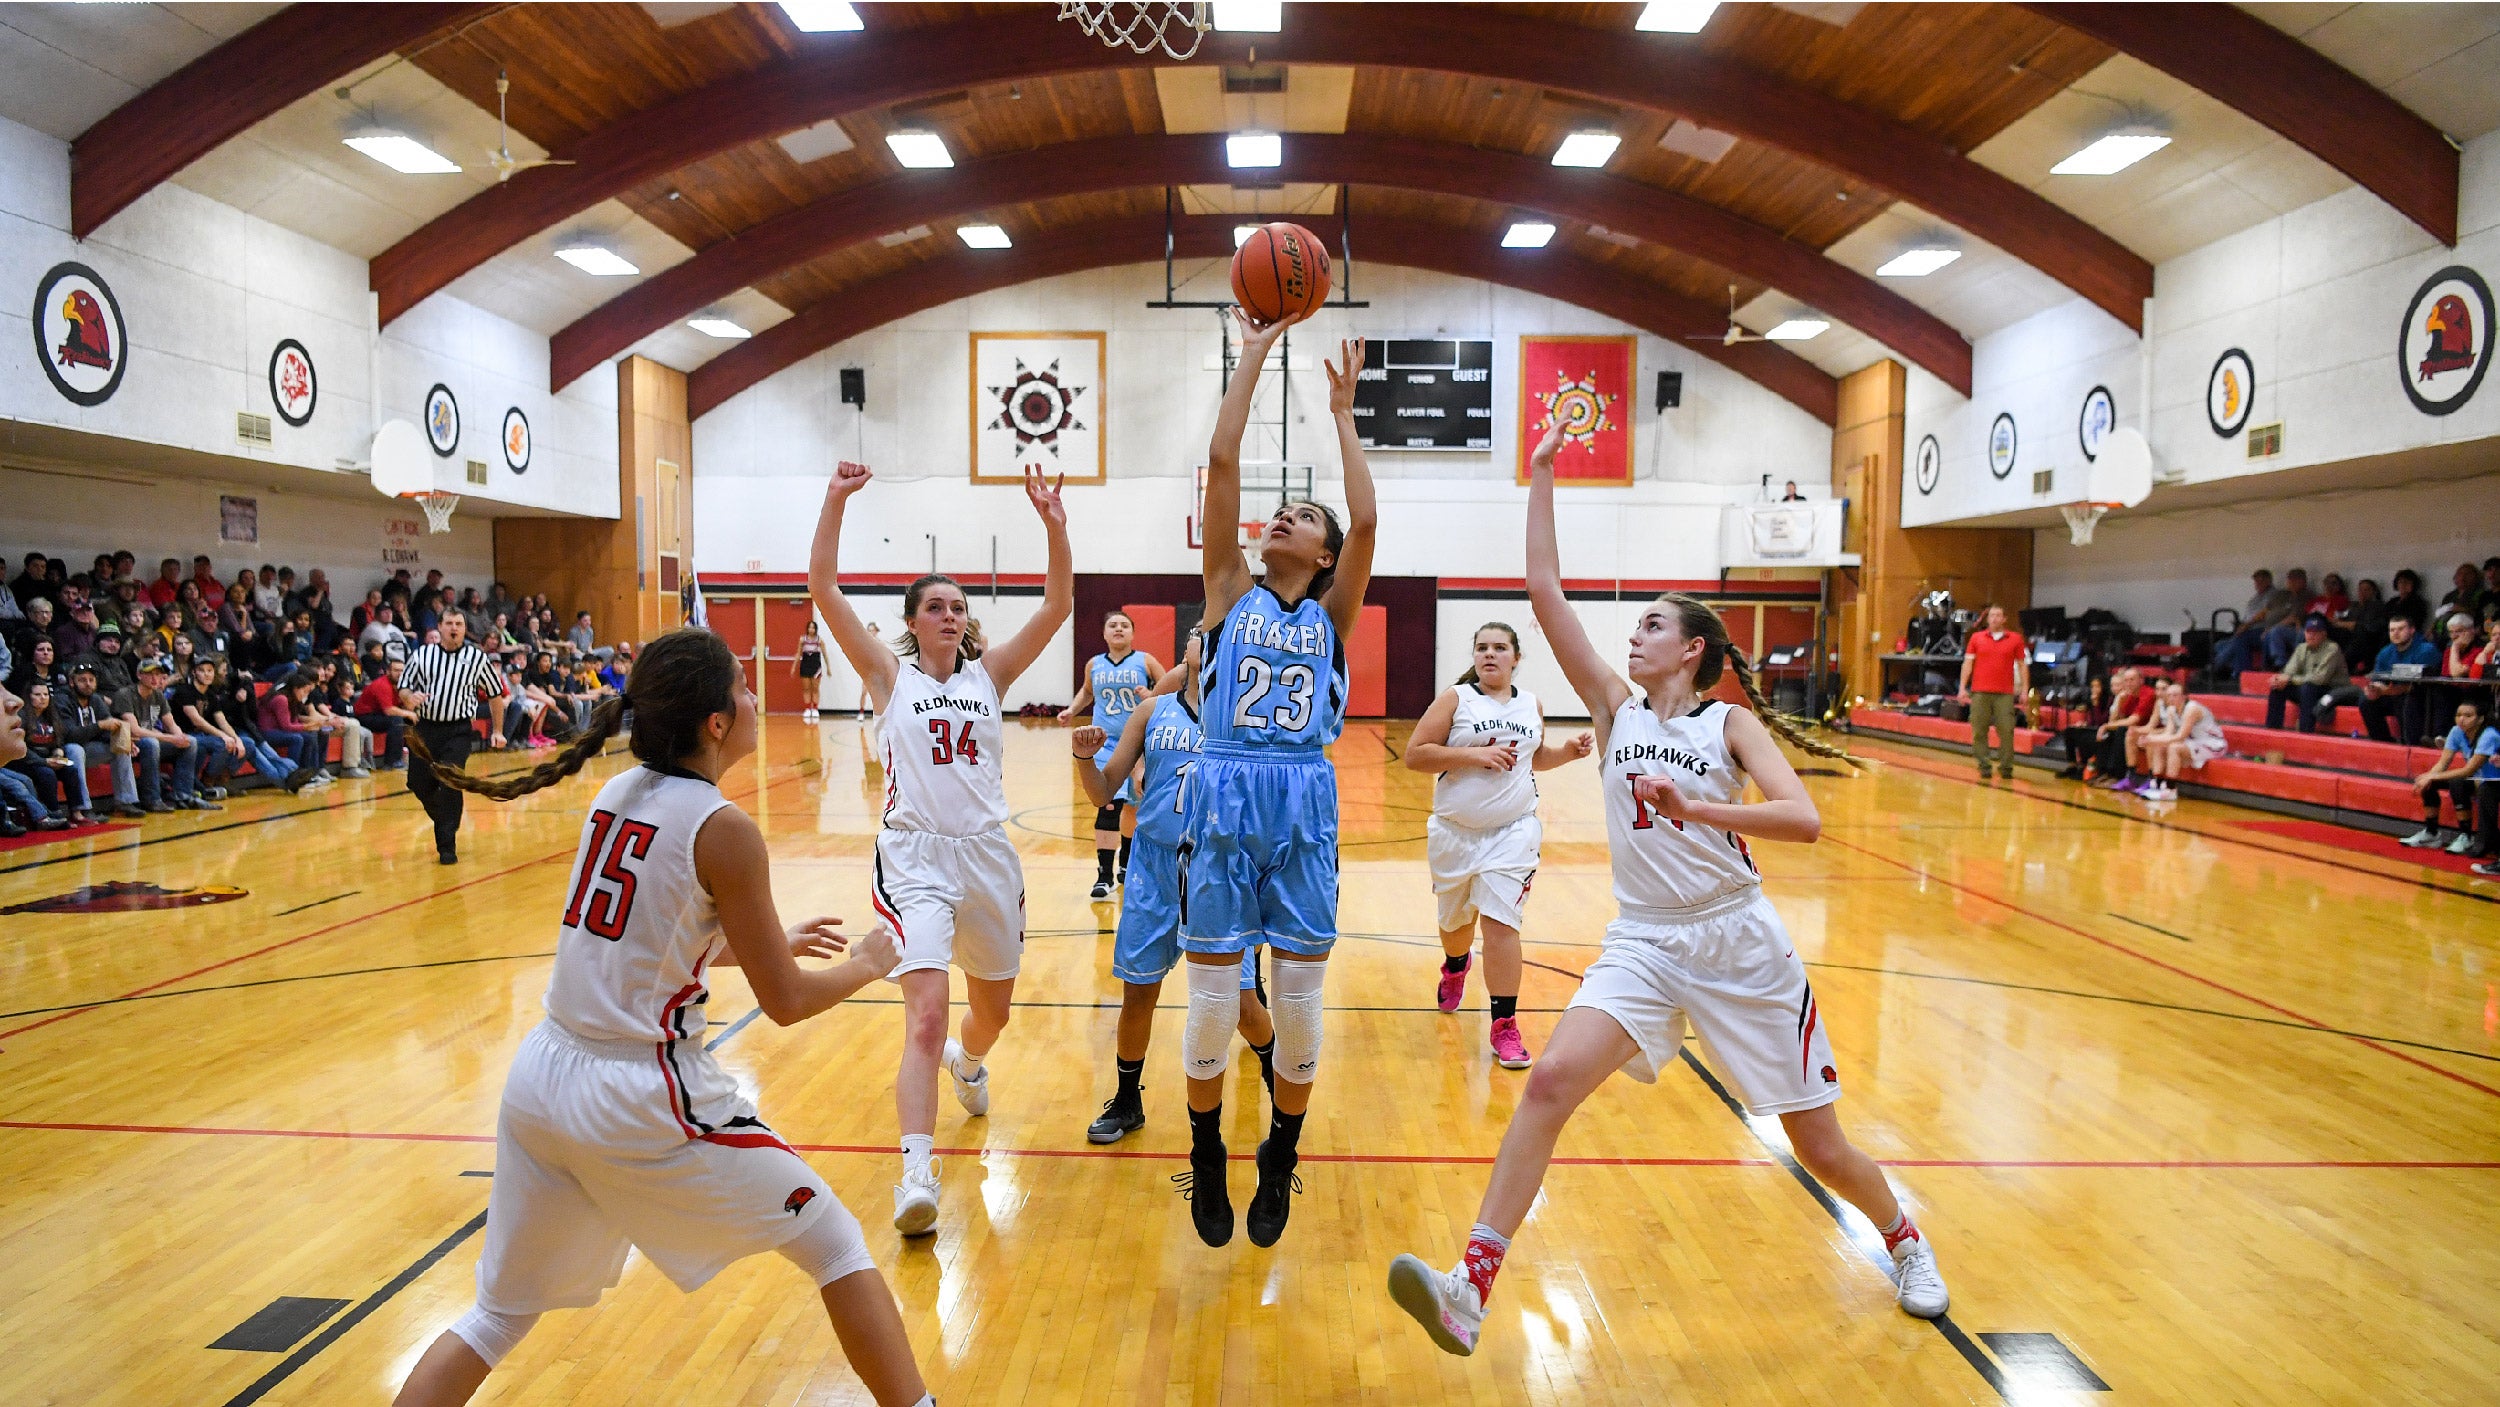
[1549, 49]
[881, 207]
[1448, 248]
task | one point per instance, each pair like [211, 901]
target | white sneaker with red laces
[1443, 1301]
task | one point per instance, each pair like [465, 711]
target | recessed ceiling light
[1242, 233]
[820, 16]
[1675, 16]
[2111, 154]
[592, 259]
[984, 236]
[1586, 149]
[1249, 16]
[402, 153]
[920, 151]
[916, 232]
[1918, 263]
[1798, 330]
[722, 328]
[1254, 149]
[1527, 234]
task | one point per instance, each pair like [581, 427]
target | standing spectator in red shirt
[1996, 669]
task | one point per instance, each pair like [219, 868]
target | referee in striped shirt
[448, 677]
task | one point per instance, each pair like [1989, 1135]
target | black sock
[1102, 867]
[1505, 1008]
[1124, 840]
[1456, 965]
[1206, 1128]
[1131, 1071]
[1267, 1059]
[1285, 1129]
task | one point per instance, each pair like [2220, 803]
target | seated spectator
[18, 797]
[2117, 739]
[2407, 599]
[180, 654]
[2470, 755]
[11, 613]
[362, 615]
[2465, 593]
[113, 671]
[60, 774]
[2387, 696]
[284, 726]
[2191, 738]
[618, 668]
[2333, 601]
[95, 737]
[35, 582]
[2311, 677]
[2465, 648]
[585, 641]
[167, 588]
[383, 632]
[40, 664]
[147, 711]
[319, 713]
[266, 597]
[236, 717]
[2366, 634]
[386, 715]
[2082, 739]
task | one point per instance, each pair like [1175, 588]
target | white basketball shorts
[1482, 872]
[1728, 968]
[593, 1154]
[951, 900]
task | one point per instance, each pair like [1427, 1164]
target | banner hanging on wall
[238, 520]
[1586, 383]
[1037, 399]
[403, 538]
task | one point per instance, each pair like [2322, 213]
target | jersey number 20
[1257, 677]
[602, 910]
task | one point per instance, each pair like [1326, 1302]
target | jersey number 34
[945, 747]
[602, 909]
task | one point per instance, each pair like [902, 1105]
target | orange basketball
[1280, 270]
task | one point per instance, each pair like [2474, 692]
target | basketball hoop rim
[2083, 518]
[438, 506]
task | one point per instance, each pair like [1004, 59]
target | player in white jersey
[1695, 940]
[946, 881]
[618, 1129]
[1484, 738]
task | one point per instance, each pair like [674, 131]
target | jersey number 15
[602, 909]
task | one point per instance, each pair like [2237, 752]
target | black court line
[2147, 927]
[1876, 1255]
[317, 903]
[339, 1326]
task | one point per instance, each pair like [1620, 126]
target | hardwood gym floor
[2208, 1112]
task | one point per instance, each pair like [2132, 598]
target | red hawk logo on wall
[79, 336]
[2443, 347]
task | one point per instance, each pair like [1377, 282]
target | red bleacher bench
[2026, 740]
[2344, 754]
[2257, 683]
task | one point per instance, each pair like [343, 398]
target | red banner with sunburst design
[1587, 383]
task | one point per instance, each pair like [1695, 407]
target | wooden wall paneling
[610, 567]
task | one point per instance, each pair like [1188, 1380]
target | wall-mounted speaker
[855, 386]
[1670, 389]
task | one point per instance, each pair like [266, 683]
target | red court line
[2198, 978]
[1419, 1159]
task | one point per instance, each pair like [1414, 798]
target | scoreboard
[1426, 393]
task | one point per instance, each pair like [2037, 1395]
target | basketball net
[2081, 519]
[1253, 536]
[438, 507]
[1148, 27]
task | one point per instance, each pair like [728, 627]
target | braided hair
[680, 681]
[1700, 622]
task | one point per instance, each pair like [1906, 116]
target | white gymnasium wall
[761, 459]
[1045, 681]
[2149, 568]
[2314, 297]
[207, 292]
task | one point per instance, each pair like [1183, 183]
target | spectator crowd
[2366, 650]
[174, 684]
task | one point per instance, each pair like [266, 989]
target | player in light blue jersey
[1117, 682]
[1259, 855]
[1164, 734]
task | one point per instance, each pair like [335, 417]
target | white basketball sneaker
[1443, 1301]
[1921, 1284]
[916, 1200]
[974, 1093]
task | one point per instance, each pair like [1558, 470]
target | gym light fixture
[984, 236]
[1587, 149]
[1527, 234]
[1249, 16]
[722, 328]
[1917, 263]
[1675, 16]
[402, 153]
[1242, 233]
[1798, 330]
[1254, 149]
[2111, 154]
[820, 16]
[592, 259]
[920, 151]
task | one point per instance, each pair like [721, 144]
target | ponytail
[1780, 723]
[605, 721]
[1700, 622]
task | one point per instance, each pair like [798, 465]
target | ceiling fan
[501, 158]
[1735, 332]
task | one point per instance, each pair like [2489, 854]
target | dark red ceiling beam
[220, 95]
[1025, 42]
[1467, 253]
[2306, 97]
[865, 212]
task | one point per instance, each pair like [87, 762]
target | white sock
[969, 1067]
[916, 1150]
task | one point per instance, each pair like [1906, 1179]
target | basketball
[1280, 270]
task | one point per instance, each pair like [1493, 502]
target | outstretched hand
[817, 938]
[1341, 384]
[1044, 495]
[1659, 794]
[848, 479]
[1582, 745]
[1541, 459]
[1255, 334]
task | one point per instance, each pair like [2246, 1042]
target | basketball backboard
[2123, 475]
[402, 464]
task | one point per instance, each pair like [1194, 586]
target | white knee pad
[1296, 1010]
[490, 1335]
[831, 1247]
[1214, 1010]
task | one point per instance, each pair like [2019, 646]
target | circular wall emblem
[2229, 388]
[2444, 346]
[2100, 416]
[1930, 464]
[79, 337]
[2001, 445]
[294, 387]
[516, 441]
[442, 420]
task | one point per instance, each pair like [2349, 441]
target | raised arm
[1362, 507]
[1006, 661]
[1599, 687]
[876, 664]
[730, 862]
[1220, 561]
